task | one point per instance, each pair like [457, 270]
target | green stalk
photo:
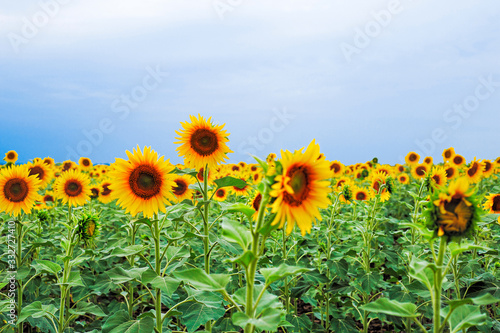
[18, 266]
[158, 272]
[287, 298]
[206, 232]
[438, 280]
[131, 286]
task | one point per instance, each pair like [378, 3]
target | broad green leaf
[464, 317]
[392, 308]
[423, 272]
[78, 261]
[166, 284]
[83, 308]
[241, 208]
[118, 275]
[301, 324]
[267, 300]
[74, 280]
[275, 273]
[199, 279]
[457, 249]
[268, 321]
[145, 325]
[37, 310]
[115, 320]
[485, 299]
[128, 251]
[245, 259]
[235, 232]
[369, 282]
[230, 181]
[196, 314]
[45, 265]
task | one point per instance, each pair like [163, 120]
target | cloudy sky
[364, 78]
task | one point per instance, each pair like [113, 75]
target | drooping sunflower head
[412, 158]
[202, 143]
[453, 211]
[181, 190]
[85, 164]
[474, 171]
[42, 171]
[73, 188]
[11, 156]
[88, 227]
[18, 190]
[448, 154]
[300, 189]
[142, 183]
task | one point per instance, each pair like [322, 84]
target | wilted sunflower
[492, 204]
[448, 154]
[220, 194]
[18, 190]
[181, 189]
[412, 158]
[85, 163]
[73, 188]
[337, 169]
[42, 171]
[419, 171]
[202, 143]
[300, 189]
[474, 171]
[11, 156]
[452, 211]
[143, 183]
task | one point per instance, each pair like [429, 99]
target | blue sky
[364, 78]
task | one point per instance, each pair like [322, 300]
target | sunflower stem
[206, 232]
[19, 236]
[438, 280]
[156, 229]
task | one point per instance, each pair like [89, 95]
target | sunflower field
[291, 243]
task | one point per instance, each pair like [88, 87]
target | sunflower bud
[88, 228]
[42, 215]
[347, 193]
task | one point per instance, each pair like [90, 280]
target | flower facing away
[18, 190]
[142, 183]
[73, 188]
[300, 189]
[202, 143]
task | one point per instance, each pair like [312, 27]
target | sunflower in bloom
[412, 158]
[337, 169]
[403, 178]
[181, 189]
[73, 188]
[11, 156]
[437, 177]
[419, 171]
[240, 191]
[451, 171]
[48, 198]
[428, 160]
[142, 183]
[85, 164]
[94, 191]
[300, 189]
[105, 192]
[458, 160]
[42, 171]
[474, 171]
[361, 194]
[492, 204]
[453, 210]
[68, 165]
[379, 179]
[202, 143]
[257, 199]
[49, 161]
[448, 154]
[220, 194]
[18, 190]
[488, 168]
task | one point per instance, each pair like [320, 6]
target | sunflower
[256, 204]
[202, 143]
[68, 165]
[42, 171]
[300, 190]
[11, 156]
[400, 168]
[474, 171]
[458, 160]
[143, 183]
[412, 158]
[181, 188]
[337, 169]
[341, 181]
[95, 191]
[201, 174]
[88, 228]
[346, 194]
[73, 188]
[453, 211]
[256, 177]
[379, 179]
[85, 163]
[105, 192]
[18, 190]
[428, 160]
[451, 171]
[448, 154]
[361, 194]
[270, 157]
[403, 178]
[49, 161]
[220, 194]
[488, 168]
[419, 171]
[241, 191]
[437, 177]
[492, 204]
[48, 197]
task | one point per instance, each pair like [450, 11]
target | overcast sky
[366, 78]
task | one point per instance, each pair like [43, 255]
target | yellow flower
[73, 188]
[11, 156]
[42, 171]
[181, 189]
[492, 203]
[419, 171]
[474, 172]
[220, 194]
[412, 158]
[18, 190]
[85, 163]
[337, 168]
[448, 154]
[379, 179]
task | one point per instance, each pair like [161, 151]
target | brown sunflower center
[496, 203]
[145, 181]
[66, 166]
[48, 198]
[420, 171]
[95, 193]
[180, 187]
[450, 172]
[253, 168]
[105, 189]
[376, 185]
[458, 216]
[458, 159]
[85, 162]
[16, 190]
[38, 171]
[299, 183]
[220, 193]
[235, 168]
[412, 158]
[335, 167]
[256, 202]
[473, 169]
[437, 179]
[11, 155]
[487, 166]
[73, 188]
[447, 153]
[204, 142]
[360, 196]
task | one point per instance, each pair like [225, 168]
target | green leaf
[45, 265]
[235, 232]
[115, 320]
[145, 325]
[196, 314]
[275, 273]
[301, 324]
[83, 308]
[268, 321]
[118, 275]
[369, 282]
[464, 317]
[74, 280]
[230, 181]
[392, 308]
[239, 207]
[457, 249]
[125, 252]
[245, 259]
[37, 310]
[166, 284]
[485, 299]
[423, 272]
[267, 300]
[199, 279]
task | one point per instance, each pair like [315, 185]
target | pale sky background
[363, 78]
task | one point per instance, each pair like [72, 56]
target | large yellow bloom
[202, 143]
[474, 172]
[18, 190]
[143, 183]
[300, 190]
[73, 188]
[42, 171]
